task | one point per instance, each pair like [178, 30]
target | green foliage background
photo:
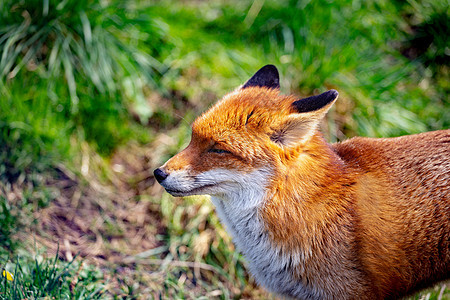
[109, 74]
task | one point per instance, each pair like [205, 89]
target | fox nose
[160, 175]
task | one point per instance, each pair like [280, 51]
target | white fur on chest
[238, 210]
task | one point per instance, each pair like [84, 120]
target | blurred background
[94, 94]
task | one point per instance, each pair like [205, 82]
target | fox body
[362, 219]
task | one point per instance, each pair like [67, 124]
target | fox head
[247, 138]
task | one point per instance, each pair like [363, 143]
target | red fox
[363, 219]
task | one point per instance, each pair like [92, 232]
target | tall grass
[76, 40]
[73, 52]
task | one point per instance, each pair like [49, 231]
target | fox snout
[180, 182]
[173, 184]
[160, 175]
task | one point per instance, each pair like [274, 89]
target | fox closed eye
[218, 151]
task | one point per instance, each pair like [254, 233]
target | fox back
[362, 219]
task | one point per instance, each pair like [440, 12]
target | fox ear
[299, 126]
[267, 77]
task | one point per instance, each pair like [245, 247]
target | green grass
[65, 54]
[50, 278]
[91, 78]
[8, 223]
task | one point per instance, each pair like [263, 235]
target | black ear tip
[328, 95]
[267, 76]
[315, 102]
[333, 93]
[269, 68]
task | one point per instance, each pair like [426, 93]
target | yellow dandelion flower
[8, 275]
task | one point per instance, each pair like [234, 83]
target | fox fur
[363, 219]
